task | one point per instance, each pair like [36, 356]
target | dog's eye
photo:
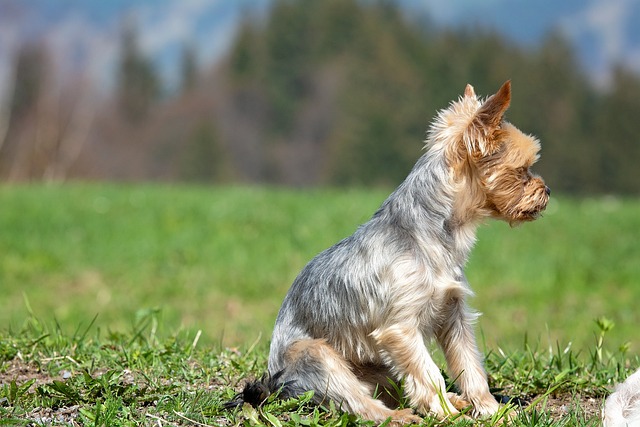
[524, 174]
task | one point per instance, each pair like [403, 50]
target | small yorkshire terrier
[358, 316]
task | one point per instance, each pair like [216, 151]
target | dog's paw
[458, 401]
[439, 407]
[404, 417]
[484, 408]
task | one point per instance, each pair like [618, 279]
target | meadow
[114, 275]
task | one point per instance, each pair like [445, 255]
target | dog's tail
[622, 408]
[256, 392]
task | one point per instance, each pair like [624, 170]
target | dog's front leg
[465, 362]
[404, 350]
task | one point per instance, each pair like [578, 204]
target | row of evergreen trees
[321, 92]
[385, 76]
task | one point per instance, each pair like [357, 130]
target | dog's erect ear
[479, 138]
[491, 112]
[469, 92]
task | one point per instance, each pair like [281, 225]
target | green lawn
[149, 304]
[134, 378]
[215, 259]
[221, 259]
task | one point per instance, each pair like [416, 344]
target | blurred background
[305, 93]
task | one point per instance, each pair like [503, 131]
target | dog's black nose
[547, 190]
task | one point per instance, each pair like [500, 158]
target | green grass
[221, 259]
[141, 303]
[135, 378]
[216, 259]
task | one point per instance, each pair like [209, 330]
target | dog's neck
[427, 204]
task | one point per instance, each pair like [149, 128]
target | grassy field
[135, 377]
[154, 295]
[221, 259]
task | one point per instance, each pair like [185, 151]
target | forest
[316, 93]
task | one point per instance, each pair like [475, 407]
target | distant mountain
[85, 33]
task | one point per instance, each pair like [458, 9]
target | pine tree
[138, 83]
[188, 67]
[31, 67]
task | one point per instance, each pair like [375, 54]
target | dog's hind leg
[312, 364]
[379, 378]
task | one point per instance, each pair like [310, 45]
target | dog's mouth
[524, 216]
[532, 214]
[531, 210]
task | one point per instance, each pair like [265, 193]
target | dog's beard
[528, 207]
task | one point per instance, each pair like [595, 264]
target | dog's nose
[547, 190]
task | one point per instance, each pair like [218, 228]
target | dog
[622, 408]
[359, 315]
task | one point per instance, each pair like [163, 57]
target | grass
[219, 259]
[135, 378]
[138, 305]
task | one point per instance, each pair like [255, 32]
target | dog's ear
[469, 92]
[481, 137]
[492, 111]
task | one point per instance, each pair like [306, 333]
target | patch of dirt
[21, 372]
[61, 416]
[562, 405]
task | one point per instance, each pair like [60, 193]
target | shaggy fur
[622, 408]
[360, 313]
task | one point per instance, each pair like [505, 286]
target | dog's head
[491, 159]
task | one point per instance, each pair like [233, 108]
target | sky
[603, 32]
[85, 33]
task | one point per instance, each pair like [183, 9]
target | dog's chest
[440, 300]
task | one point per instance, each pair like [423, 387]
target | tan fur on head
[491, 159]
